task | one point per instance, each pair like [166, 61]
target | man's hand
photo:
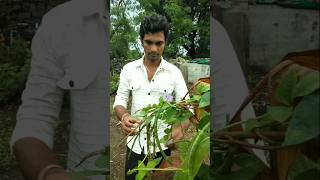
[129, 124]
[177, 133]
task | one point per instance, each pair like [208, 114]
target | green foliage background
[189, 26]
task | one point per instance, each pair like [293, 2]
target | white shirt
[167, 79]
[229, 84]
[69, 52]
[228, 81]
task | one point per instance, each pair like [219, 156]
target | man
[148, 78]
[69, 53]
[227, 76]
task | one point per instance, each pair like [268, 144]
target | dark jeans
[132, 162]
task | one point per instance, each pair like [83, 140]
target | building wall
[274, 31]
[263, 34]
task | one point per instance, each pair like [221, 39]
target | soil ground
[118, 151]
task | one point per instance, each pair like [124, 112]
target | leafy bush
[14, 68]
[114, 83]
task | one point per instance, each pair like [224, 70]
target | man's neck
[150, 63]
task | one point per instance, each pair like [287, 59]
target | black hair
[153, 24]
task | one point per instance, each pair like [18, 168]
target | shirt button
[152, 80]
[131, 87]
[148, 93]
[145, 138]
[165, 90]
[71, 83]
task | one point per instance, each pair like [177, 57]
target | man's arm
[121, 100]
[33, 155]
[32, 139]
[128, 123]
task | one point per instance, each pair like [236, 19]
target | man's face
[153, 45]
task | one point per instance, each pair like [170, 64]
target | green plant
[192, 151]
[14, 68]
[102, 164]
[287, 125]
[114, 83]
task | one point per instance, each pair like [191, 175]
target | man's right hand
[129, 124]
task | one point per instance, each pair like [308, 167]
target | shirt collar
[164, 65]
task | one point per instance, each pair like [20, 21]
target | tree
[123, 33]
[189, 20]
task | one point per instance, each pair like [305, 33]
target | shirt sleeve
[41, 99]
[228, 83]
[122, 95]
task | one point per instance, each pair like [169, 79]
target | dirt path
[118, 153]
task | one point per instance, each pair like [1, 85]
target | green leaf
[197, 151]
[306, 85]
[305, 121]
[203, 121]
[165, 138]
[202, 151]
[285, 87]
[196, 97]
[258, 122]
[184, 115]
[183, 149]
[167, 131]
[154, 162]
[169, 116]
[202, 88]
[142, 173]
[280, 113]
[205, 100]
[303, 168]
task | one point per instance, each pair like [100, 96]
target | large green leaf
[205, 100]
[204, 120]
[286, 86]
[198, 150]
[142, 172]
[303, 168]
[305, 121]
[280, 113]
[169, 115]
[202, 88]
[151, 164]
[307, 84]
[202, 151]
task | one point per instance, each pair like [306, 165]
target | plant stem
[242, 143]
